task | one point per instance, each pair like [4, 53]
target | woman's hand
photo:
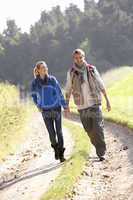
[40, 109]
[67, 112]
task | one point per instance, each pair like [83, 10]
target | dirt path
[33, 165]
[108, 180]
[111, 179]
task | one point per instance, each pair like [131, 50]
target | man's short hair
[78, 51]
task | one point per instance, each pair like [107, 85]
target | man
[86, 86]
[48, 97]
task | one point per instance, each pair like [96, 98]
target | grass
[72, 168]
[13, 119]
[121, 97]
[119, 84]
[115, 75]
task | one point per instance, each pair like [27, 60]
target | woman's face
[43, 70]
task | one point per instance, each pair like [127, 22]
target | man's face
[78, 59]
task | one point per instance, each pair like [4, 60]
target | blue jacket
[47, 95]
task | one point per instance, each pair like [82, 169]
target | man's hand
[66, 112]
[108, 106]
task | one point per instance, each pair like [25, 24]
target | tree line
[104, 30]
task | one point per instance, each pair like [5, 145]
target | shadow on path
[30, 174]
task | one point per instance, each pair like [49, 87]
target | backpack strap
[72, 74]
[90, 67]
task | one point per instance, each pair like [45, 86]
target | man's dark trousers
[93, 124]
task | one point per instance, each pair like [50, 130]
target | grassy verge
[121, 97]
[119, 85]
[63, 184]
[115, 75]
[13, 119]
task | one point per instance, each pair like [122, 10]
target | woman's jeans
[53, 122]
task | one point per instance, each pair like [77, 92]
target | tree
[12, 33]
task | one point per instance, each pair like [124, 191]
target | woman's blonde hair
[37, 67]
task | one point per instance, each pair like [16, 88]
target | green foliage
[85, 45]
[103, 30]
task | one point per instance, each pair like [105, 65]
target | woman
[47, 96]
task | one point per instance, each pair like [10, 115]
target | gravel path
[111, 179]
[33, 166]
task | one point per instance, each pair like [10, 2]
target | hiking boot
[100, 155]
[101, 158]
[61, 155]
[56, 151]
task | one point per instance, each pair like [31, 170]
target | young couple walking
[86, 86]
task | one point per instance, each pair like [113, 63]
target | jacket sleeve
[62, 100]
[33, 92]
[99, 81]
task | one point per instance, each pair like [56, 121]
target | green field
[13, 118]
[121, 97]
